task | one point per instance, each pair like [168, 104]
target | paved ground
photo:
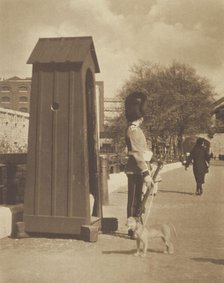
[199, 247]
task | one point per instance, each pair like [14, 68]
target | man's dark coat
[200, 158]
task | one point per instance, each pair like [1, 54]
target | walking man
[200, 158]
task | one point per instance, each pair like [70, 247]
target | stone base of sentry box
[9, 216]
[89, 233]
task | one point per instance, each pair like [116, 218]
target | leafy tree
[179, 102]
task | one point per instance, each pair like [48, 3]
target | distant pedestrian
[200, 158]
[138, 154]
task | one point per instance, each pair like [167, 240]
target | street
[199, 245]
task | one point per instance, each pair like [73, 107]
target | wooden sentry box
[63, 165]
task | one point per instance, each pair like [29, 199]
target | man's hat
[200, 141]
[135, 104]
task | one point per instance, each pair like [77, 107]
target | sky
[123, 31]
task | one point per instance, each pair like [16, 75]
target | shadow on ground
[212, 260]
[118, 234]
[176, 192]
[128, 252]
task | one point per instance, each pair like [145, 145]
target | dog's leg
[169, 246]
[145, 247]
[138, 247]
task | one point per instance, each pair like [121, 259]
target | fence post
[104, 180]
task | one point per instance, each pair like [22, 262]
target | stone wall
[13, 131]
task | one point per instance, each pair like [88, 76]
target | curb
[118, 180]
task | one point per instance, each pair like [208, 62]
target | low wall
[13, 131]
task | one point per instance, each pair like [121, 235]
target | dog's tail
[174, 229]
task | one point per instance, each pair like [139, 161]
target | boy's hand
[148, 181]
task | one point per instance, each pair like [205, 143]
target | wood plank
[79, 204]
[60, 144]
[44, 144]
[53, 224]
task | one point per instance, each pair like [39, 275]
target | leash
[147, 194]
[148, 210]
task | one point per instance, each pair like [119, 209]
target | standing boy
[136, 169]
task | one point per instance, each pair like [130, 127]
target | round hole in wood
[55, 106]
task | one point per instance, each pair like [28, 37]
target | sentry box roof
[63, 50]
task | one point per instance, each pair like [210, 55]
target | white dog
[142, 235]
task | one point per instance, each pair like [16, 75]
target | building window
[23, 99]
[5, 99]
[23, 89]
[23, 109]
[5, 88]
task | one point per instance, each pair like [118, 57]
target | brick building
[15, 94]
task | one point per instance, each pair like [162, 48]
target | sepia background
[123, 31]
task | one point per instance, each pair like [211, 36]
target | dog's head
[132, 223]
